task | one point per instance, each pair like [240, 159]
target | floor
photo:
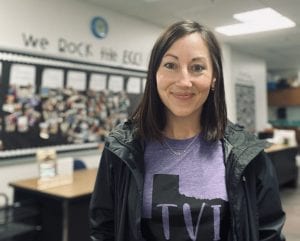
[290, 198]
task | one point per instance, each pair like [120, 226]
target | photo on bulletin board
[245, 106]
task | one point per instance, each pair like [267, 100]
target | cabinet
[284, 97]
[289, 97]
[284, 160]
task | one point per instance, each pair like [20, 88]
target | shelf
[285, 123]
[284, 97]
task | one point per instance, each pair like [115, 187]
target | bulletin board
[60, 103]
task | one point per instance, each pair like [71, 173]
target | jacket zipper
[232, 219]
[246, 200]
[252, 235]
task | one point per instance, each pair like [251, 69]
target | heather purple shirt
[185, 195]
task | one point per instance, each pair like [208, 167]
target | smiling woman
[177, 169]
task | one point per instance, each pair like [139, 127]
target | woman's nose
[184, 78]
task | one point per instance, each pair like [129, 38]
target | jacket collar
[124, 136]
[243, 145]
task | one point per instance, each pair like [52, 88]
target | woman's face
[184, 77]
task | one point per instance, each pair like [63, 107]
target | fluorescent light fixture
[261, 20]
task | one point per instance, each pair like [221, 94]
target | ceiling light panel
[261, 20]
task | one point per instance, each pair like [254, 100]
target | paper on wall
[134, 85]
[116, 83]
[76, 80]
[22, 75]
[53, 78]
[98, 82]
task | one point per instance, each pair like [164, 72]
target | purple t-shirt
[185, 195]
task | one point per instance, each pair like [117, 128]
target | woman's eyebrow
[171, 55]
[199, 58]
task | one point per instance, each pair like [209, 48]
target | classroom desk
[284, 160]
[64, 209]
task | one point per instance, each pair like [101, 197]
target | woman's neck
[182, 128]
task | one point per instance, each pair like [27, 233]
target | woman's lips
[183, 96]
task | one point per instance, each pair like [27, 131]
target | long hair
[150, 115]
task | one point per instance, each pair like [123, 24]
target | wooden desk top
[278, 147]
[83, 184]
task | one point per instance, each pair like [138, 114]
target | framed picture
[245, 106]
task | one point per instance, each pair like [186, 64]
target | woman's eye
[197, 68]
[170, 65]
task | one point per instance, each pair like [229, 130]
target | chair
[79, 165]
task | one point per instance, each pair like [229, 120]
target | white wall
[229, 82]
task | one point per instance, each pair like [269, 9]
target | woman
[178, 170]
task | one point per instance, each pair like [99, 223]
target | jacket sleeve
[271, 217]
[101, 210]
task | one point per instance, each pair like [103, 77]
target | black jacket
[255, 207]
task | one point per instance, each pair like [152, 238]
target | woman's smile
[182, 95]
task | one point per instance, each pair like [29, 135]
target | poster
[245, 106]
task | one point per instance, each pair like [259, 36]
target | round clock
[99, 27]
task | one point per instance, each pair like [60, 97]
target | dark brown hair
[150, 115]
